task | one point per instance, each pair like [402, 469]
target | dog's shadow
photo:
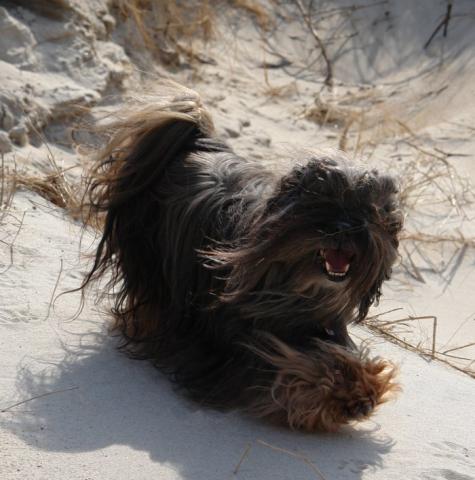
[98, 398]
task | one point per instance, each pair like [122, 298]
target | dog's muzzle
[336, 263]
[337, 257]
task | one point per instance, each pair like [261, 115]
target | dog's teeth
[336, 274]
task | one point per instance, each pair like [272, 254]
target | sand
[74, 407]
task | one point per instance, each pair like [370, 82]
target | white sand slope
[73, 407]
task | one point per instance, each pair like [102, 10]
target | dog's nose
[351, 225]
[341, 226]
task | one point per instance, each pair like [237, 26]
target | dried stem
[12, 243]
[444, 23]
[243, 456]
[55, 288]
[36, 397]
[307, 19]
[315, 469]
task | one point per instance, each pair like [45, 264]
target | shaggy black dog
[237, 281]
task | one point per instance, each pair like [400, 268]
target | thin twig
[64, 188]
[426, 152]
[452, 154]
[2, 187]
[373, 317]
[307, 19]
[443, 23]
[407, 128]
[342, 144]
[457, 264]
[380, 326]
[405, 319]
[8, 189]
[467, 319]
[416, 348]
[429, 238]
[54, 289]
[12, 243]
[458, 357]
[416, 272]
[434, 333]
[458, 348]
[352, 8]
[295, 455]
[35, 397]
[243, 456]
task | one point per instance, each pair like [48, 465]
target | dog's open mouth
[336, 263]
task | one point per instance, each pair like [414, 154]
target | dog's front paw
[361, 385]
[360, 408]
[322, 389]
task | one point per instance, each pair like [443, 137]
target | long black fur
[216, 258]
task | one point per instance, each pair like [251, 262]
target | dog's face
[329, 227]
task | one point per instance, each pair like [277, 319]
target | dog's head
[341, 223]
[328, 227]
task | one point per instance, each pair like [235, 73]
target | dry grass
[431, 188]
[436, 198]
[307, 18]
[54, 186]
[345, 106]
[392, 331]
[168, 29]
[289, 453]
[7, 188]
[173, 30]
[333, 114]
[256, 10]
[278, 91]
[429, 182]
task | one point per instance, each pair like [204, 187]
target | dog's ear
[373, 294]
[367, 300]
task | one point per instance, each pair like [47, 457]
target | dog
[235, 280]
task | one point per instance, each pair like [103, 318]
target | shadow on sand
[104, 399]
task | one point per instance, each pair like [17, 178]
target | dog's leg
[321, 389]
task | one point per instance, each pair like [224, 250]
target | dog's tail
[121, 195]
[142, 140]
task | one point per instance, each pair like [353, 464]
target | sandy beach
[400, 97]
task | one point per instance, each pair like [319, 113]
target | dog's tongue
[339, 260]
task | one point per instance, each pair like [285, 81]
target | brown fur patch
[322, 389]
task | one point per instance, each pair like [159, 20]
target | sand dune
[71, 405]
